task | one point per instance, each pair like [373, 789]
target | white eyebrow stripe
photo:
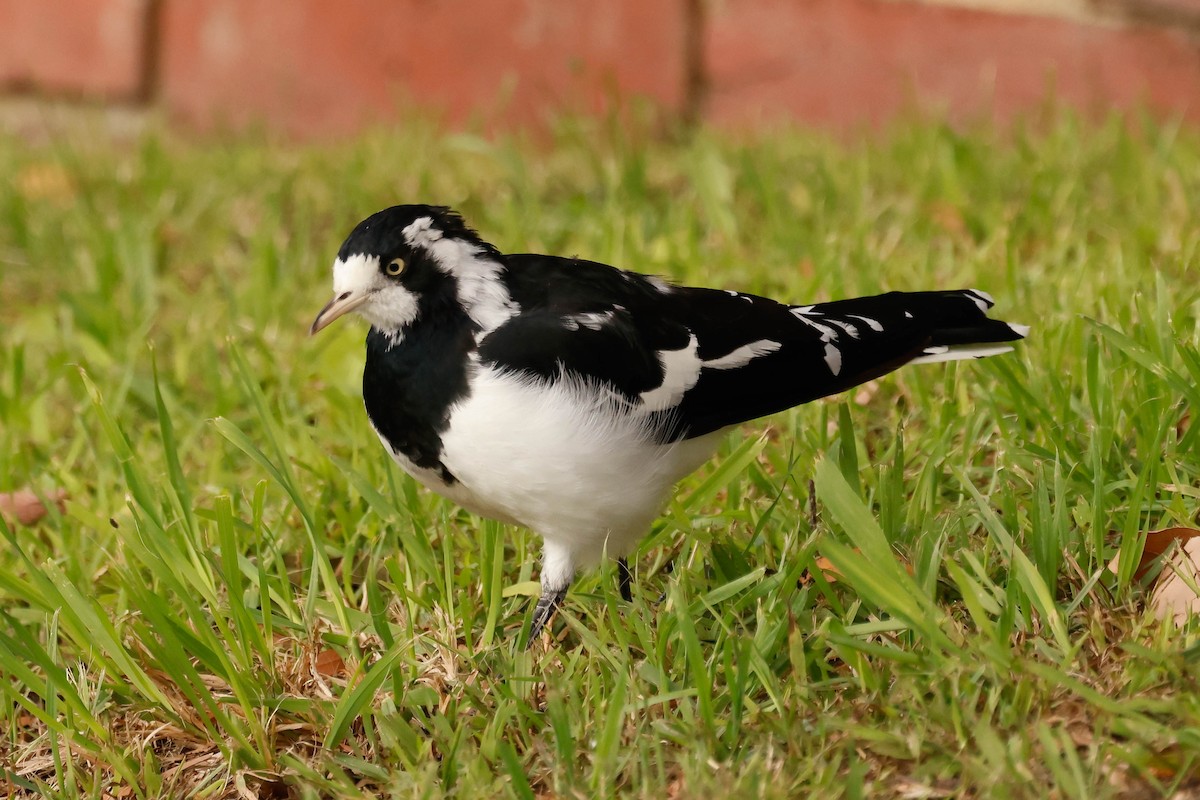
[421, 233]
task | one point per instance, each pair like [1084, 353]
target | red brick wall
[74, 47]
[318, 68]
[849, 62]
[312, 65]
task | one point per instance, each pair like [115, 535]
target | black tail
[949, 325]
[817, 350]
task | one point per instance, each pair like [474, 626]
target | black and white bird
[569, 396]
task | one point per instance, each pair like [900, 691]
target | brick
[314, 67]
[849, 63]
[77, 47]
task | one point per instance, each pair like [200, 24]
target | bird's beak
[338, 306]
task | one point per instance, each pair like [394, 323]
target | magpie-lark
[570, 396]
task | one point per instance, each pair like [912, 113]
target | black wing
[603, 345]
[586, 319]
[704, 359]
[807, 352]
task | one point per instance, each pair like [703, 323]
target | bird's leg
[547, 604]
[624, 579]
[558, 569]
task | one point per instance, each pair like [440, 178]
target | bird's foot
[547, 604]
[624, 579]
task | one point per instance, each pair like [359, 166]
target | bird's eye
[395, 266]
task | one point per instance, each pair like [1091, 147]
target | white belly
[570, 461]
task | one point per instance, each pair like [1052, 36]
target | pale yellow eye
[395, 266]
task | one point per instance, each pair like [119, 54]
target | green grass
[235, 533]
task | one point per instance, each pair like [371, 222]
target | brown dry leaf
[329, 664]
[1157, 543]
[1175, 592]
[832, 574]
[1175, 589]
[827, 568]
[25, 507]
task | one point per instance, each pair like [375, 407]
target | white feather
[592, 320]
[480, 290]
[981, 299]
[873, 324]
[1019, 330]
[391, 307]
[805, 315]
[421, 233]
[743, 355]
[571, 460]
[846, 326]
[833, 358]
[681, 371]
[959, 352]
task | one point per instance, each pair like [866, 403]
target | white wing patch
[833, 358]
[805, 314]
[873, 324]
[743, 355]
[592, 320]
[829, 335]
[681, 370]
[981, 299]
[846, 326]
[938, 353]
[658, 283]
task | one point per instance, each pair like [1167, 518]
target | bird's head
[407, 262]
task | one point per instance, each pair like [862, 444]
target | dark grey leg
[547, 604]
[624, 579]
[558, 570]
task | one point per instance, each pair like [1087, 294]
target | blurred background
[319, 69]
